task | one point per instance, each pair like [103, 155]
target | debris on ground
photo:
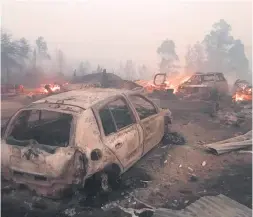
[228, 145]
[70, 212]
[189, 168]
[174, 138]
[203, 163]
[135, 212]
[7, 189]
[235, 117]
[193, 178]
[113, 81]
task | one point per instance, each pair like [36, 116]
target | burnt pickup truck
[63, 140]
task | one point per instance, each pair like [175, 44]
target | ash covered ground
[172, 175]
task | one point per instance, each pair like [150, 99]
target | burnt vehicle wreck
[59, 142]
[242, 91]
[202, 84]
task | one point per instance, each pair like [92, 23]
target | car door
[150, 119]
[221, 83]
[121, 132]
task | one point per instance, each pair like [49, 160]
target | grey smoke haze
[114, 30]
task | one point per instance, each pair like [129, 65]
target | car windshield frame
[208, 75]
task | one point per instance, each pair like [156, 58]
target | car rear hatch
[38, 144]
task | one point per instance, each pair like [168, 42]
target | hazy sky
[114, 30]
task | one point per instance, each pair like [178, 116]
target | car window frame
[148, 100]
[9, 124]
[220, 77]
[113, 119]
[214, 80]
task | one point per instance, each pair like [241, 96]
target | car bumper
[43, 186]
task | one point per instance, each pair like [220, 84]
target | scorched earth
[173, 175]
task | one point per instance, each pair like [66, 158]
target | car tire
[166, 130]
[167, 122]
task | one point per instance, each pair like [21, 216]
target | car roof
[83, 98]
[208, 73]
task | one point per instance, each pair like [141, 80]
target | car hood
[37, 159]
[204, 84]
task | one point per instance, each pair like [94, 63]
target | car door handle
[118, 145]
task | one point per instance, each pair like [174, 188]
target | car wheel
[104, 182]
[166, 130]
[109, 180]
[167, 122]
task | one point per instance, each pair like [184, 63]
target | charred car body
[242, 91]
[62, 140]
[201, 84]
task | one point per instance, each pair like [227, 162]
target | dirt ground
[172, 175]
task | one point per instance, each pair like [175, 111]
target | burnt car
[242, 91]
[63, 140]
[202, 84]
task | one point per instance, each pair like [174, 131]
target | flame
[42, 90]
[171, 82]
[243, 95]
[54, 88]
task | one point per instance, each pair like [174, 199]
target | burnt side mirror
[96, 155]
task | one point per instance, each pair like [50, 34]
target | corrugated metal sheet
[231, 144]
[243, 137]
[209, 206]
[218, 206]
[228, 147]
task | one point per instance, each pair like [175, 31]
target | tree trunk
[7, 75]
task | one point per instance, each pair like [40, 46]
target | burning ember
[243, 91]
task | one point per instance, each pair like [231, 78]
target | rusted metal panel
[209, 206]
